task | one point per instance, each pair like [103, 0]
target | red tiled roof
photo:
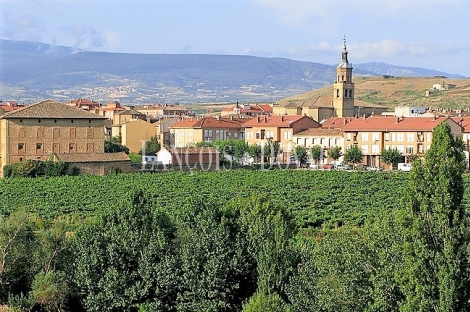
[209, 122]
[258, 108]
[464, 122]
[50, 109]
[393, 124]
[274, 121]
[320, 132]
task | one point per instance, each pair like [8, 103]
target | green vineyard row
[315, 197]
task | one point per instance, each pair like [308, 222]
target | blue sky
[433, 34]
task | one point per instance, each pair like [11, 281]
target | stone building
[50, 128]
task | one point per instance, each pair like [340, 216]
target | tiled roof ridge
[50, 109]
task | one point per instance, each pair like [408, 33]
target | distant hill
[395, 91]
[32, 71]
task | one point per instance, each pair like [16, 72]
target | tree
[114, 145]
[434, 273]
[334, 274]
[126, 259]
[217, 272]
[316, 153]
[391, 156]
[272, 150]
[50, 290]
[16, 243]
[300, 154]
[335, 152]
[269, 230]
[353, 155]
[254, 151]
[152, 146]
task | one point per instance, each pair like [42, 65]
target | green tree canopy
[152, 146]
[316, 153]
[435, 272]
[335, 152]
[391, 156]
[353, 155]
[300, 154]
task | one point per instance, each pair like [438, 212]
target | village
[75, 132]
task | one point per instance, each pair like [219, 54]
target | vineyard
[317, 198]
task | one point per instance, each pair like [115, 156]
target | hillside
[32, 71]
[395, 91]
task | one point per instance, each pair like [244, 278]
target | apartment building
[191, 130]
[409, 135]
[325, 138]
[261, 130]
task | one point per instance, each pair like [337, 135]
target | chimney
[257, 118]
[364, 116]
[218, 118]
[345, 121]
[265, 118]
[282, 118]
[397, 119]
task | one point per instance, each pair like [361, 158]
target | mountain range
[33, 71]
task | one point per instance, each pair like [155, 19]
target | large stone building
[49, 128]
[340, 104]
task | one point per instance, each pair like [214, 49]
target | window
[375, 137]
[208, 135]
[258, 135]
[21, 148]
[72, 148]
[38, 148]
[263, 134]
[365, 149]
[387, 136]
[337, 92]
[348, 136]
[409, 149]
[287, 135]
[428, 136]
[375, 149]
[365, 136]
[400, 148]
[400, 137]
[72, 132]
[410, 137]
[219, 134]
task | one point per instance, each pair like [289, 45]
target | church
[340, 103]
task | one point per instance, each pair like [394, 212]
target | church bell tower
[343, 88]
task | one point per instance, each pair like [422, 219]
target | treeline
[248, 253]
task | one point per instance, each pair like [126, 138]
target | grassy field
[395, 91]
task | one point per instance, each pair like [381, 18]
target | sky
[432, 34]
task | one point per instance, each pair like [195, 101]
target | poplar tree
[434, 276]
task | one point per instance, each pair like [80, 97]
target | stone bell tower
[343, 88]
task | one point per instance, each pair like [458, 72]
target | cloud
[295, 12]
[24, 27]
[393, 48]
[86, 37]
